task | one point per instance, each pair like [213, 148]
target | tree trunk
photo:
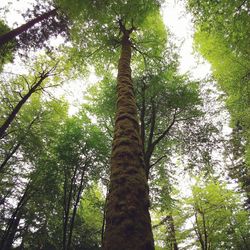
[199, 232]
[104, 219]
[77, 200]
[9, 155]
[172, 233]
[13, 222]
[19, 105]
[15, 32]
[11, 234]
[128, 224]
[205, 231]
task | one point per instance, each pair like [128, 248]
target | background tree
[222, 39]
[217, 216]
[54, 175]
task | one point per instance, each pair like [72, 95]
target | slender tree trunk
[9, 155]
[104, 219]
[72, 221]
[23, 28]
[198, 232]
[65, 211]
[171, 226]
[19, 105]
[128, 224]
[13, 223]
[205, 231]
[11, 234]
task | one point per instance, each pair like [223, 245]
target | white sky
[175, 17]
[179, 22]
[180, 25]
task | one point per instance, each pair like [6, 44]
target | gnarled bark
[128, 225]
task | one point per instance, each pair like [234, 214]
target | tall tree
[127, 217]
[171, 94]
[33, 85]
[222, 38]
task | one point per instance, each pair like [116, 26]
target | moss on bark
[128, 224]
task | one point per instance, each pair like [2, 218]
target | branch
[158, 160]
[239, 7]
[123, 28]
[144, 54]
[161, 222]
[166, 131]
[152, 128]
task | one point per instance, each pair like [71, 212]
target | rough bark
[23, 28]
[128, 225]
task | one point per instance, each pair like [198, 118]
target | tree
[128, 178]
[79, 151]
[222, 39]
[33, 85]
[7, 37]
[170, 94]
[66, 161]
[121, 226]
[217, 216]
[22, 181]
[54, 165]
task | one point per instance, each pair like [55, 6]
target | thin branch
[157, 161]
[165, 132]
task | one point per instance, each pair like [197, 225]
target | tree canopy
[138, 158]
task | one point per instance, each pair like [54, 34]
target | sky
[177, 21]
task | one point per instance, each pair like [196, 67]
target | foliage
[222, 38]
[217, 216]
[6, 51]
[54, 167]
[212, 217]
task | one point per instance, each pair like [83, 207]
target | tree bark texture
[7, 37]
[128, 224]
